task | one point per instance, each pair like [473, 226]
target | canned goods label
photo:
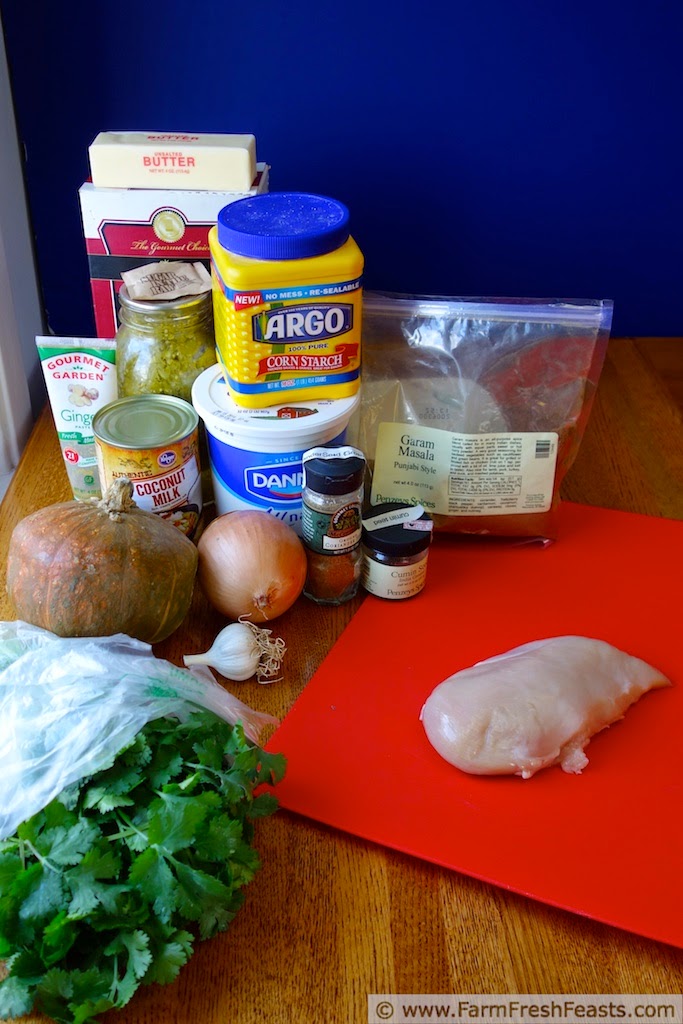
[166, 480]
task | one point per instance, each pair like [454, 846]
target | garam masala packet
[475, 408]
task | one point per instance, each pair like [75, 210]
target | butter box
[213, 162]
[126, 228]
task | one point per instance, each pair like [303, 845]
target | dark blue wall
[495, 147]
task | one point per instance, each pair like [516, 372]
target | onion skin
[251, 565]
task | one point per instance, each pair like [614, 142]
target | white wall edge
[21, 313]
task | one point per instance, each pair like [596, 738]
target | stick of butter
[224, 163]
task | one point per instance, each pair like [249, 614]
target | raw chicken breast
[536, 705]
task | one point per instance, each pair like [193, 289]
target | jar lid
[398, 539]
[185, 303]
[332, 474]
[283, 225]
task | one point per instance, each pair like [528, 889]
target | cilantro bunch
[108, 887]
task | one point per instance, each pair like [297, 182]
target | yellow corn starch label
[300, 340]
[280, 340]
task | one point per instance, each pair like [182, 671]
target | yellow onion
[251, 565]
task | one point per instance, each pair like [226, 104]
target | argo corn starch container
[287, 290]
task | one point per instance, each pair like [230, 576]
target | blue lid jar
[283, 226]
[287, 295]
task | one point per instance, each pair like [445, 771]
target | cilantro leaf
[210, 752]
[89, 883]
[263, 805]
[271, 768]
[59, 936]
[133, 950]
[165, 766]
[174, 819]
[205, 899]
[219, 839]
[25, 964]
[155, 880]
[170, 954]
[64, 846]
[113, 788]
[10, 866]
[46, 895]
[16, 997]
[89, 896]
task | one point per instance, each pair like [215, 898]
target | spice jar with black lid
[332, 499]
[395, 545]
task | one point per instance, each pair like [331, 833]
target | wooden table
[331, 918]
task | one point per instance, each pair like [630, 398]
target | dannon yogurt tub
[256, 454]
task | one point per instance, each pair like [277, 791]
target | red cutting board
[607, 843]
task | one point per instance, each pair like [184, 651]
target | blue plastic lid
[283, 226]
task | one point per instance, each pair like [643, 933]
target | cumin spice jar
[332, 498]
[395, 545]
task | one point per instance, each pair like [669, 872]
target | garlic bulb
[242, 650]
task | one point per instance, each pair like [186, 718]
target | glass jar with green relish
[163, 345]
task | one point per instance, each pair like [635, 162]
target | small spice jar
[395, 545]
[332, 498]
[163, 345]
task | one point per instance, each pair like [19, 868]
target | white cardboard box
[126, 228]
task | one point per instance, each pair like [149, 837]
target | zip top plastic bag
[69, 705]
[475, 408]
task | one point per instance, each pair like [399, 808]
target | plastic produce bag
[69, 705]
[475, 408]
